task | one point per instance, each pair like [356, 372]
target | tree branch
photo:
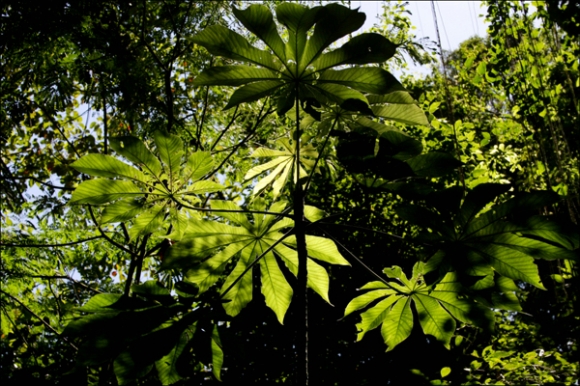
[358, 260]
[252, 132]
[50, 245]
[42, 183]
[121, 247]
[41, 319]
[63, 277]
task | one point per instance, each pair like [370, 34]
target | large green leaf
[167, 365]
[299, 66]
[217, 354]
[320, 248]
[170, 149]
[258, 19]
[504, 238]
[122, 210]
[409, 114]
[102, 191]
[241, 293]
[147, 221]
[221, 41]
[297, 19]
[368, 297]
[234, 76]
[101, 165]
[335, 93]
[434, 319]
[335, 21]
[436, 307]
[374, 316]
[365, 79]
[136, 151]
[398, 323]
[276, 290]
[281, 166]
[198, 165]
[218, 245]
[167, 184]
[362, 49]
[253, 91]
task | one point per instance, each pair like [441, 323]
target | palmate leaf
[102, 191]
[281, 166]
[142, 194]
[437, 307]
[506, 238]
[102, 165]
[299, 66]
[398, 323]
[210, 246]
[136, 151]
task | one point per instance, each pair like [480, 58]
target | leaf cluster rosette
[300, 64]
[437, 307]
[149, 193]
[210, 247]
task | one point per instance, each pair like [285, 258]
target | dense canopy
[209, 192]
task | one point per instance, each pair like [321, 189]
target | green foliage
[436, 307]
[153, 192]
[124, 329]
[299, 67]
[258, 240]
[143, 279]
[281, 165]
[503, 239]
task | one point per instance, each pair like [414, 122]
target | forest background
[90, 292]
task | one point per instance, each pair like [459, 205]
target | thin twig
[243, 141]
[363, 229]
[225, 129]
[63, 277]
[42, 183]
[121, 247]
[356, 258]
[50, 245]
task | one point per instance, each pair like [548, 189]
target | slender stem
[203, 113]
[142, 254]
[234, 116]
[57, 301]
[357, 259]
[42, 183]
[448, 97]
[41, 319]
[301, 316]
[130, 274]
[363, 229]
